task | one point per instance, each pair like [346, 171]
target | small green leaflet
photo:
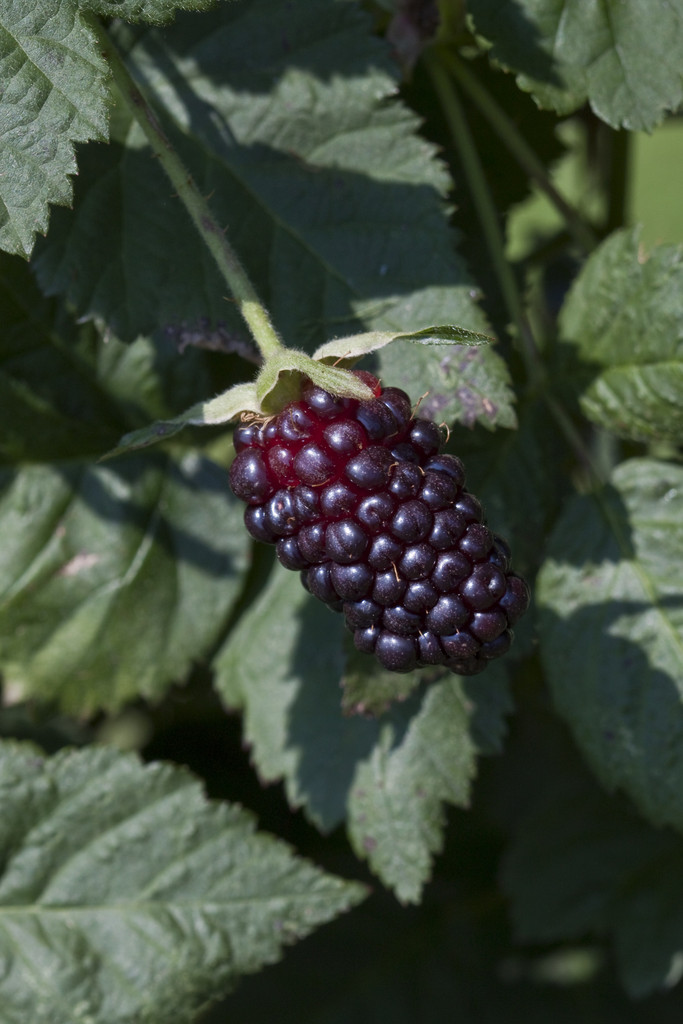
[389, 776]
[624, 320]
[610, 596]
[127, 897]
[623, 56]
[53, 95]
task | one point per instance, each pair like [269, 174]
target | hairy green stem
[488, 218]
[248, 302]
[526, 157]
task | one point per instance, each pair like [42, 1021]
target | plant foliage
[373, 164]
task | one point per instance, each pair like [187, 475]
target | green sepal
[347, 350]
[282, 376]
[224, 407]
[280, 380]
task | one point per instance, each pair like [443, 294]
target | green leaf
[396, 806]
[611, 632]
[284, 663]
[156, 12]
[464, 384]
[54, 95]
[624, 316]
[334, 203]
[126, 897]
[357, 345]
[582, 863]
[614, 54]
[116, 578]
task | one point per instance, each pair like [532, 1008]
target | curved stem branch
[526, 157]
[488, 218]
[485, 207]
[248, 302]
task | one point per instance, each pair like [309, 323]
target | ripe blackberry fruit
[359, 498]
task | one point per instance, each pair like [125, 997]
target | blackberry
[359, 498]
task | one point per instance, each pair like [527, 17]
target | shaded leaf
[582, 863]
[53, 95]
[118, 579]
[51, 404]
[611, 632]
[126, 897]
[334, 203]
[67, 393]
[520, 477]
[624, 316]
[615, 55]
[283, 664]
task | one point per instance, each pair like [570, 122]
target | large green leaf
[624, 316]
[53, 95]
[611, 630]
[127, 898]
[582, 863]
[623, 56]
[115, 579]
[332, 200]
[388, 776]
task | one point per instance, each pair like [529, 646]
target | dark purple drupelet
[359, 498]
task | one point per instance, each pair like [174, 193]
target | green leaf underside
[583, 863]
[127, 897]
[284, 663]
[611, 631]
[117, 578]
[53, 95]
[615, 54]
[333, 202]
[624, 316]
[156, 12]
